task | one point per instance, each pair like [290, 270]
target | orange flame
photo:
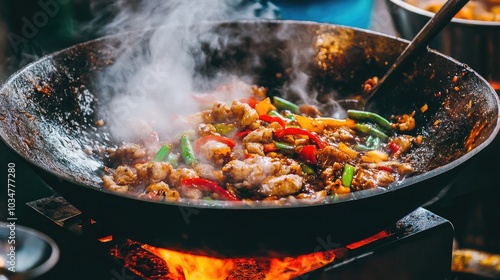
[160, 263]
[190, 266]
[495, 85]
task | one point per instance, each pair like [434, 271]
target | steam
[126, 15]
[156, 81]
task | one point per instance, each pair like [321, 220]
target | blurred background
[30, 29]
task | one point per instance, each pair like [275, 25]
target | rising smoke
[155, 82]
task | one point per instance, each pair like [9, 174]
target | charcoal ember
[140, 261]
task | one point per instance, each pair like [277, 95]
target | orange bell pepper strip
[264, 106]
[309, 123]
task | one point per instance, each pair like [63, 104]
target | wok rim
[240, 205]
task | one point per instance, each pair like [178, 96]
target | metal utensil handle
[424, 36]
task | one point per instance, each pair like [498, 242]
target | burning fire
[189, 266]
[159, 263]
[495, 85]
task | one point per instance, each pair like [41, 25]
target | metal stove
[419, 246]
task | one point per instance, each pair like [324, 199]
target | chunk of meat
[221, 112]
[250, 174]
[205, 129]
[261, 135]
[172, 196]
[405, 169]
[161, 191]
[289, 166]
[177, 175]
[110, 184]
[314, 197]
[371, 178]
[245, 115]
[344, 134]
[124, 175]
[329, 155]
[129, 150]
[255, 148]
[336, 186]
[169, 194]
[208, 171]
[207, 117]
[405, 122]
[281, 185]
[153, 171]
[404, 143]
[215, 152]
[332, 172]
[237, 171]
[159, 187]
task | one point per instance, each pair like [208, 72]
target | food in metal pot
[264, 148]
[487, 10]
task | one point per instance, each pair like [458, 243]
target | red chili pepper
[271, 119]
[208, 186]
[308, 154]
[270, 147]
[394, 147]
[247, 156]
[242, 134]
[385, 168]
[198, 143]
[250, 101]
[295, 130]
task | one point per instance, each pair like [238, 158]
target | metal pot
[474, 42]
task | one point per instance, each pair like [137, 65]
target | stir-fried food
[265, 148]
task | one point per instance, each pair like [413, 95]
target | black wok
[51, 107]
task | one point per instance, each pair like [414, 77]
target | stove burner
[415, 247]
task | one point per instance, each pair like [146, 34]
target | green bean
[369, 141]
[284, 146]
[162, 154]
[347, 175]
[307, 169]
[284, 104]
[370, 117]
[288, 115]
[361, 147]
[187, 151]
[370, 130]
[287, 118]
